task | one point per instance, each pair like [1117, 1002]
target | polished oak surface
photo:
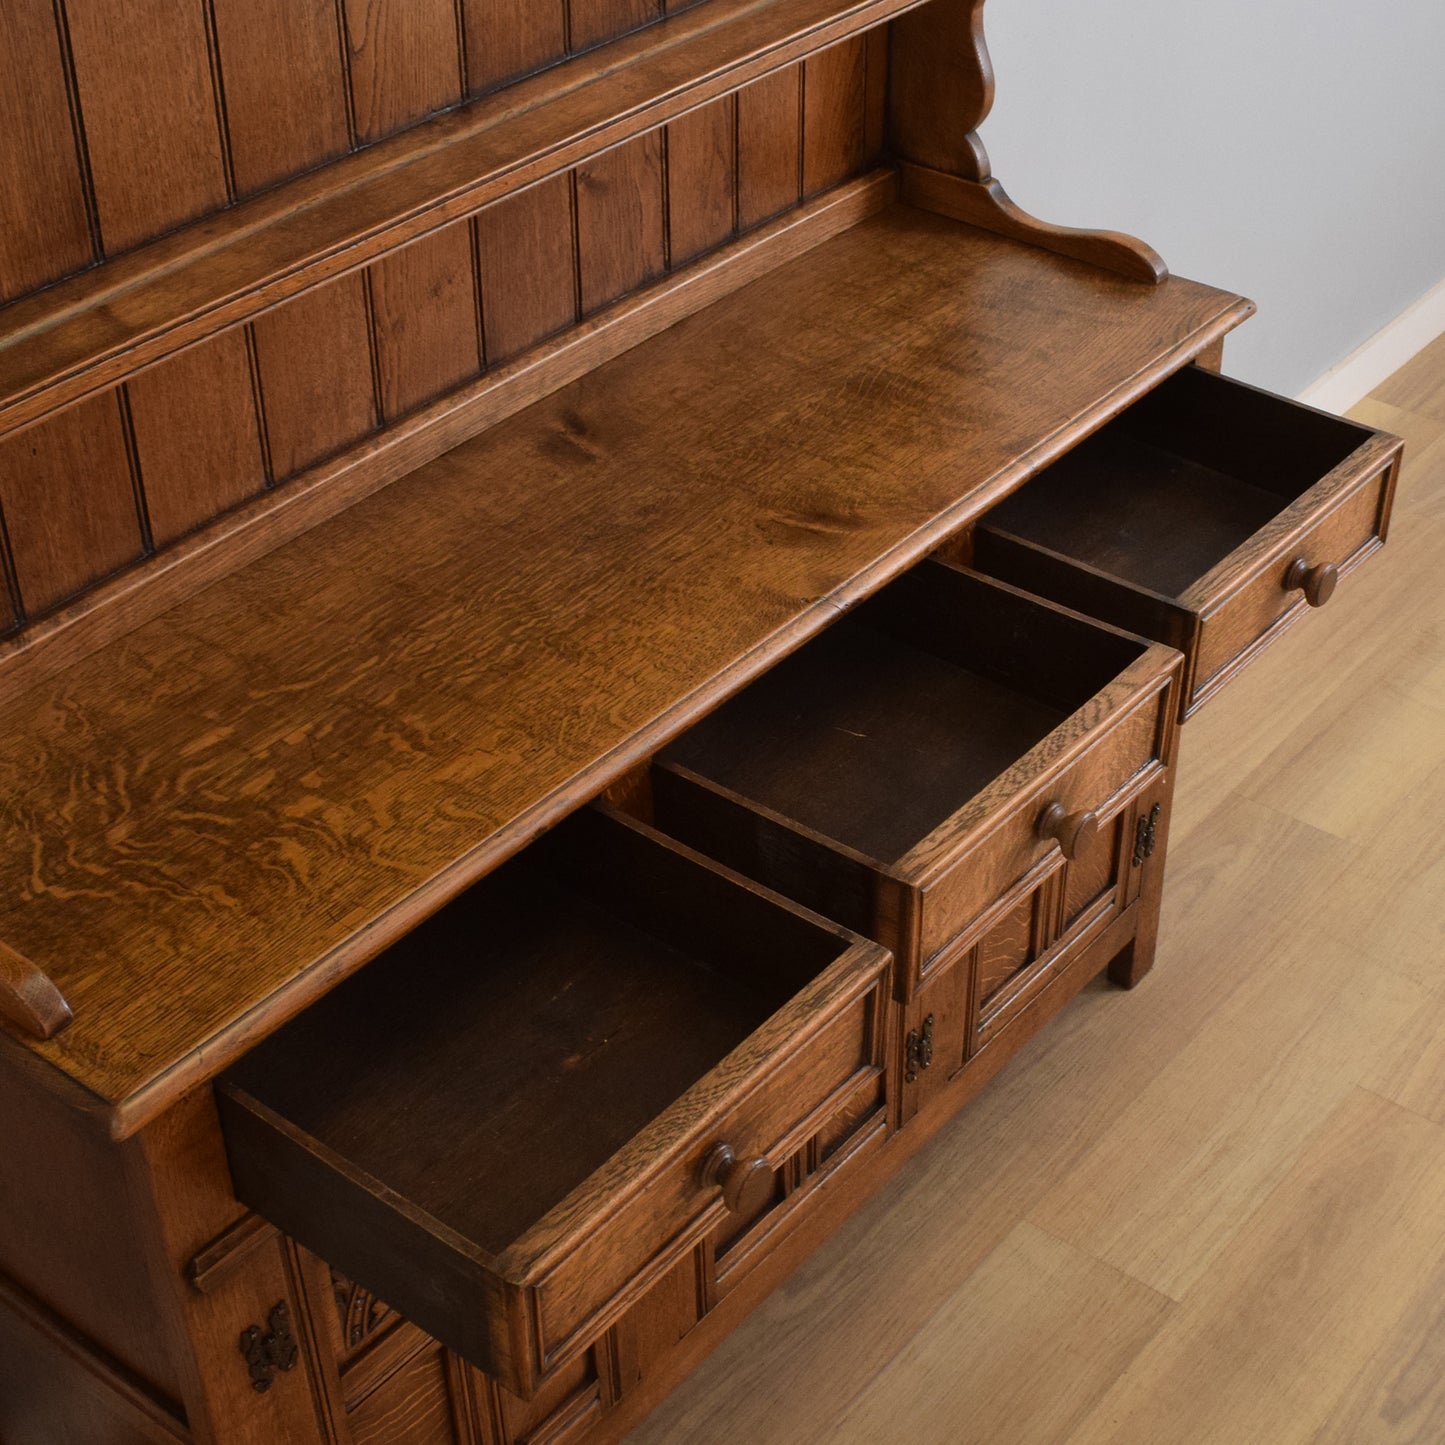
[266, 786]
[60, 343]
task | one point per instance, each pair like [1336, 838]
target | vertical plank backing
[69, 502]
[620, 241]
[528, 268]
[590, 22]
[701, 179]
[9, 589]
[424, 306]
[143, 75]
[506, 39]
[834, 86]
[285, 87]
[45, 232]
[769, 146]
[875, 101]
[405, 58]
[197, 436]
[317, 386]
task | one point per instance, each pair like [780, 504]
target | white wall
[1291, 150]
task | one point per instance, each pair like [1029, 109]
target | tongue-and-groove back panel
[103, 485]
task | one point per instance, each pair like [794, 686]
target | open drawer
[514, 1122]
[909, 766]
[1210, 516]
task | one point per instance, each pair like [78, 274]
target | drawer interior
[1178, 481]
[879, 729]
[486, 1066]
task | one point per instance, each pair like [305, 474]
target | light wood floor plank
[1396, 1397]
[1182, 1171]
[971, 1372]
[1267, 1344]
[1419, 385]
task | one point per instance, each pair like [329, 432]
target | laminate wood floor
[1212, 1210]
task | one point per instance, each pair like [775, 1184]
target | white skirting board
[1381, 356]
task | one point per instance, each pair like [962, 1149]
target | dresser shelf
[84, 333]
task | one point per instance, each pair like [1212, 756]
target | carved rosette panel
[360, 1314]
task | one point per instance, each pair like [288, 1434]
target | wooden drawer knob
[1073, 832]
[747, 1184]
[1317, 583]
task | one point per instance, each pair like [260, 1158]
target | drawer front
[1241, 613]
[1113, 763]
[661, 1220]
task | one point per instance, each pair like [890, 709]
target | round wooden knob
[747, 1184]
[1317, 583]
[1073, 832]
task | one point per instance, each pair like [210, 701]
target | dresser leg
[1134, 960]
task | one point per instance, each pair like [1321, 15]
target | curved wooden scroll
[941, 90]
[985, 204]
[28, 998]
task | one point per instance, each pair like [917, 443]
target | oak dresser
[594, 630]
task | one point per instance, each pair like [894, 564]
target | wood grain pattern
[765, 551]
[834, 129]
[69, 502]
[415, 1405]
[285, 87]
[88, 332]
[527, 264]
[317, 387]
[769, 146]
[404, 60]
[151, 126]
[331, 486]
[620, 239]
[92, 1269]
[424, 308]
[1339, 1240]
[1033, 1305]
[9, 587]
[985, 203]
[1006, 948]
[197, 435]
[941, 88]
[590, 22]
[47, 230]
[28, 998]
[56, 1389]
[510, 38]
[701, 180]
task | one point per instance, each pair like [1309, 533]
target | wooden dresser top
[210, 820]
